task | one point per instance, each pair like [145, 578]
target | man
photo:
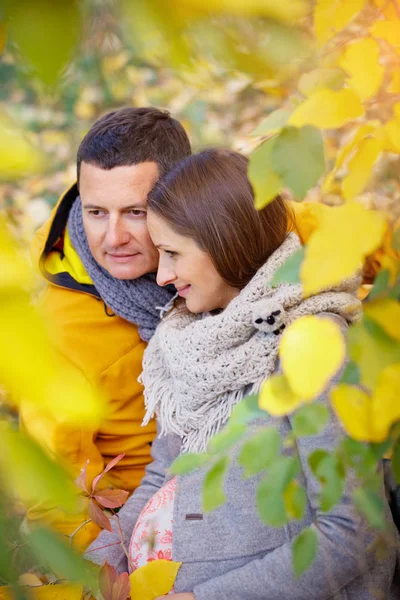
[101, 297]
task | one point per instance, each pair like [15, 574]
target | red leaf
[111, 498]
[121, 588]
[108, 576]
[110, 465]
[98, 517]
[82, 479]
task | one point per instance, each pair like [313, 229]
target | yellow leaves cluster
[312, 350]
[154, 579]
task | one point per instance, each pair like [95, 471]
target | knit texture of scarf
[197, 368]
[139, 301]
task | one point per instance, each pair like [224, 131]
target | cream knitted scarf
[196, 368]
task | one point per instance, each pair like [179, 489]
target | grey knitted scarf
[197, 367]
[139, 301]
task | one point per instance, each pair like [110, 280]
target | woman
[216, 346]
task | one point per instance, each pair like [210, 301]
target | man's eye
[96, 212]
[136, 212]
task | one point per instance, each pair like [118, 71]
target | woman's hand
[184, 596]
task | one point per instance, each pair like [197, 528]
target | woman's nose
[165, 274]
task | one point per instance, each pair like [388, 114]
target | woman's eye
[170, 253]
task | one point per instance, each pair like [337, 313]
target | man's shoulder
[86, 332]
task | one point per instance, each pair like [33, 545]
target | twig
[121, 535]
[102, 547]
[73, 534]
[396, 7]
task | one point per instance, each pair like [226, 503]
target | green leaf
[310, 419]
[213, 494]
[315, 458]
[381, 285]
[330, 473]
[289, 272]
[54, 553]
[265, 182]
[273, 123]
[304, 550]
[46, 33]
[297, 157]
[351, 374]
[372, 349]
[32, 475]
[259, 451]
[270, 500]
[246, 411]
[186, 463]
[295, 499]
[227, 438]
[358, 456]
[371, 505]
[396, 461]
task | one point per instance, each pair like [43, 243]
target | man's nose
[116, 234]
[165, 274]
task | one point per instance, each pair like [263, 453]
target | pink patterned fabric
[152, 537]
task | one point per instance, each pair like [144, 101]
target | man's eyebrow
[130, 207]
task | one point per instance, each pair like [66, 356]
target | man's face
[114, 206]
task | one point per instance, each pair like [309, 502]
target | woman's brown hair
[208, 197]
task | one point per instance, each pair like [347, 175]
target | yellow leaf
[360, 167]
[337, 248]
[154, 579]
[30, 370]
[61, 591]
[277, 398]
[322, 353]
[327, 109]
[387, 314]
[330, 16]
[369, 418]
[365, 82]
[388, 31]
[346, 150]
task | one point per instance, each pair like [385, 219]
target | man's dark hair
[131, 136]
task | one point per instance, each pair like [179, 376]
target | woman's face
[188, 268]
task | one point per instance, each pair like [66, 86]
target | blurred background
[219, 67]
